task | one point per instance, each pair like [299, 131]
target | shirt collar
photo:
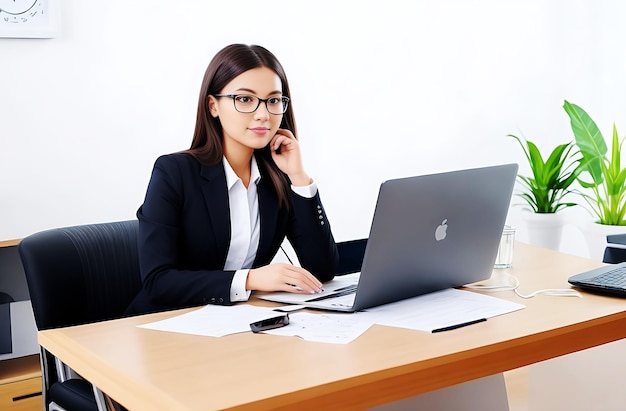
[232, 178]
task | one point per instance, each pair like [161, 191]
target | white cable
[514, 284]
[512, 281]
[557, 292]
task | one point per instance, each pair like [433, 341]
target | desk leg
[110, 404]
[485, 394]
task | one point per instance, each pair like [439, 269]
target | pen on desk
[455, 326]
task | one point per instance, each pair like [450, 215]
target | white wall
[382, 89]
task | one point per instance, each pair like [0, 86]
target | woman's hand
[289, 160]
[283, 277]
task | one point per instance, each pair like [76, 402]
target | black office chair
[615, 251]
[78, 275]
[5, 298]
[350, 256]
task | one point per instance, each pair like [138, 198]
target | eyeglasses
[247, 103]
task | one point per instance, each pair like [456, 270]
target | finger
[296, 289]
[304, 280]
[308, 283]
[285, 132]
[281, 142]
[298, 272]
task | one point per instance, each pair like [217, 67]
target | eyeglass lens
[249, 104]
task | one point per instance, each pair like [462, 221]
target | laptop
[610, 279]
[428, 233]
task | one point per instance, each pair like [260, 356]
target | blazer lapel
[215, 194]
[268, 212]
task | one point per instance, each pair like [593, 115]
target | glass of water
[504, 259]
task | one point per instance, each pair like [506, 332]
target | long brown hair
[227, 64]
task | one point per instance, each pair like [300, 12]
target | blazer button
[213, 299]
[221, 300]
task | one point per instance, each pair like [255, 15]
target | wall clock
[28, 18]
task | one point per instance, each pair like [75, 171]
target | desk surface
[9, 243]
[147, 369]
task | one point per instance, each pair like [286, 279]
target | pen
[301, 289]
[455, 326]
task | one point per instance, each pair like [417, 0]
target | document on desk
[441, 309]
[427, 312]
[219, 320]
[213, 320]
[340, 328]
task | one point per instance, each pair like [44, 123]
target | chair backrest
[81, 274]
[351, 255]
[78, 275]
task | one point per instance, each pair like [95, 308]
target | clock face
[28, 18]
[19, 11]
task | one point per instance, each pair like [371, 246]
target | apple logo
[440, 232]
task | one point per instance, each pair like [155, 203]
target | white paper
[325, 327]
[427, 312]
[214, 320]
[441, 309]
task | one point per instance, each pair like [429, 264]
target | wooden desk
[147, 369]
[10, 243]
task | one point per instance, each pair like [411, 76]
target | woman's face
[254, 130]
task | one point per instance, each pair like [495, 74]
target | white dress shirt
[245, 225]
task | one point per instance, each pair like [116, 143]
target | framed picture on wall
[29, 18]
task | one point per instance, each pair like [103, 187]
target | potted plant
[544, 192]
[605, 191]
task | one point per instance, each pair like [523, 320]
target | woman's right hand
[283, 277]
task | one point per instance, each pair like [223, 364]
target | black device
[270, 323]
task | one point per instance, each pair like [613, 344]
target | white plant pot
[545, 229]
[595, 235]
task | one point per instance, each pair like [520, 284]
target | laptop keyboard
[345, 291]
[611, 279]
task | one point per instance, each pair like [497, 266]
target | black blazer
[184, 235]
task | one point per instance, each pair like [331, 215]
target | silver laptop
[428, 233]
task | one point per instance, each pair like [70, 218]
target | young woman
[214, 216]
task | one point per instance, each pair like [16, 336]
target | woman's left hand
[289, 160]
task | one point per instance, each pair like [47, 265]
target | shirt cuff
[305, 191]
[238, 290]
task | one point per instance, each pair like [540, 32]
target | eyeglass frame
[284, 99]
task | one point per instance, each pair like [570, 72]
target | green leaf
[589, 140]
[545, 190]
[536, 161]
[615, 152]
[608, 188]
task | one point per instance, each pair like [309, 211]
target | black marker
[455, 326]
